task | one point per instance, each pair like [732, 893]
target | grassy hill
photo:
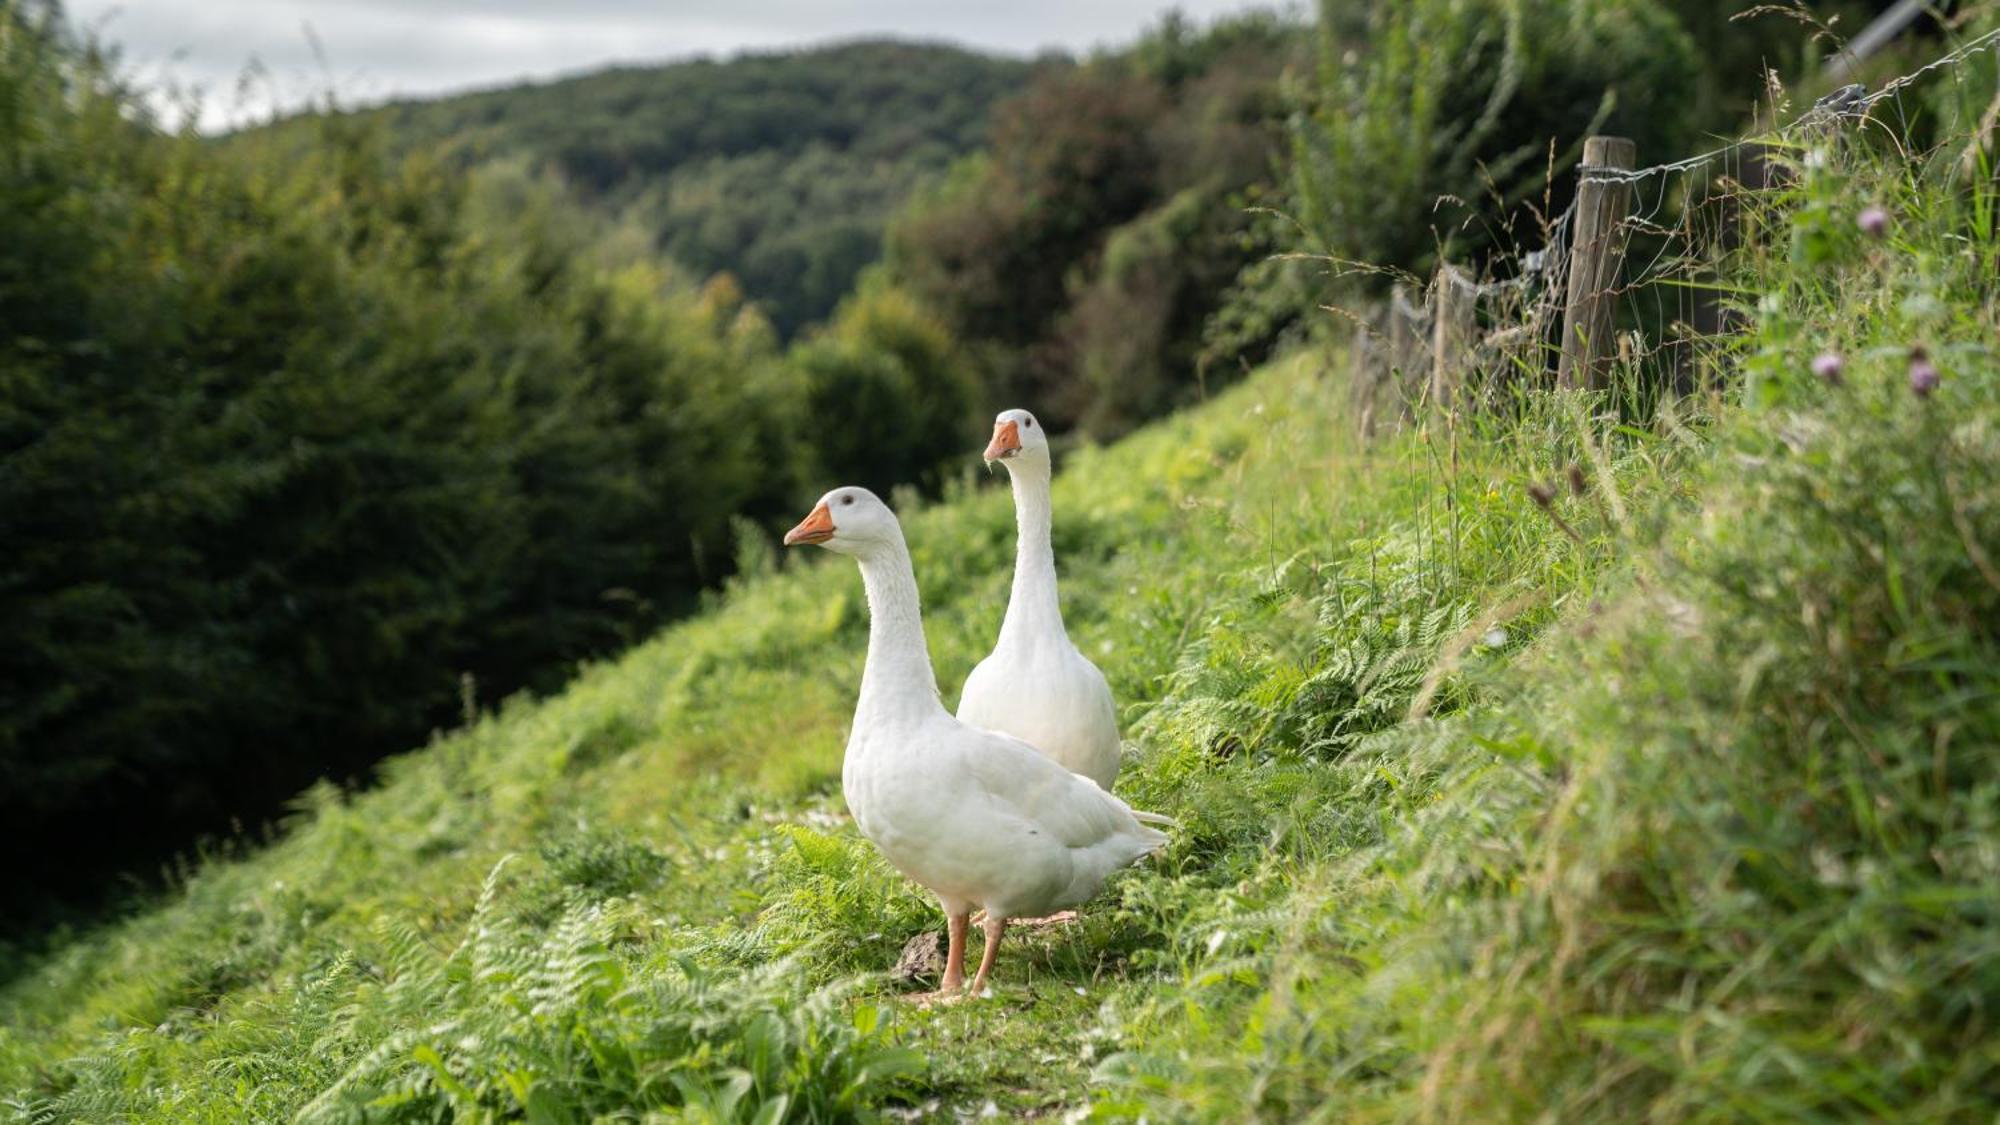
[1561, 761]
[675, 819]
[780, 168]
[1672, 797]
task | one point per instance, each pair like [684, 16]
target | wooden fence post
[1453, 301]
[1596, 256]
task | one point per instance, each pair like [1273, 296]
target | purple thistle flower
[1874, 222]
[1924, 376]
[1828, 366]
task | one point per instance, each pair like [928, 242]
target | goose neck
[1033, 609]
[897, 681]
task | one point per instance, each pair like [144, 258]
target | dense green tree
[887, 400]
[1081, 254]
[290, 440]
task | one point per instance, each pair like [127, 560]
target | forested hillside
[781, 169]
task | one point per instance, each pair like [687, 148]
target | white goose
[1035, 685]
[980, 819]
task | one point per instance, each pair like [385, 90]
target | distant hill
[781, 168]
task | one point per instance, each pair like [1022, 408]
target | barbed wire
[1671, 243]
[1673, 235]
[1851, 100]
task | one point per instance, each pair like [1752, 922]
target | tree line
[779, 168]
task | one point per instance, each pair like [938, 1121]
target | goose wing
[1071, 808]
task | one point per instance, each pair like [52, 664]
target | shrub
[887, 400]
[1133, 334]
[602, 864]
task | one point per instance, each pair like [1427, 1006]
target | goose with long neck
[980, 819]
[1036, 686]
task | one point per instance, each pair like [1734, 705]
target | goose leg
[954, 956]
[951, 988]
[994, 927]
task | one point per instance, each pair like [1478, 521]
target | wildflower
[1828, 366]
[1924, 376]
[1874, 222]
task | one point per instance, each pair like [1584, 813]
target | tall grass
[1723, 846]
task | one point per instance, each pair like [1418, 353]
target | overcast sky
[376, 49]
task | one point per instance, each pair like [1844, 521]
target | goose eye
[1031, 423]
[847, 500]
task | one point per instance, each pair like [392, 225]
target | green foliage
[562, 1024]
[838, 898]
[1080, 255]
[1723, 844]
[556, 1024]
[1425, 135]
[780, 169]
[1136, 336]
[1069, 159]
[290, 445]
[887, 401]
[603, 864]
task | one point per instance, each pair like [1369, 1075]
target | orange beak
[1006, 441]
[815, 528]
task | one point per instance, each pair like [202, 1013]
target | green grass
[686, 797]
[1683, 807]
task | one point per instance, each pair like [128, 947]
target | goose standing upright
[980, 819]
[1035, 685]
